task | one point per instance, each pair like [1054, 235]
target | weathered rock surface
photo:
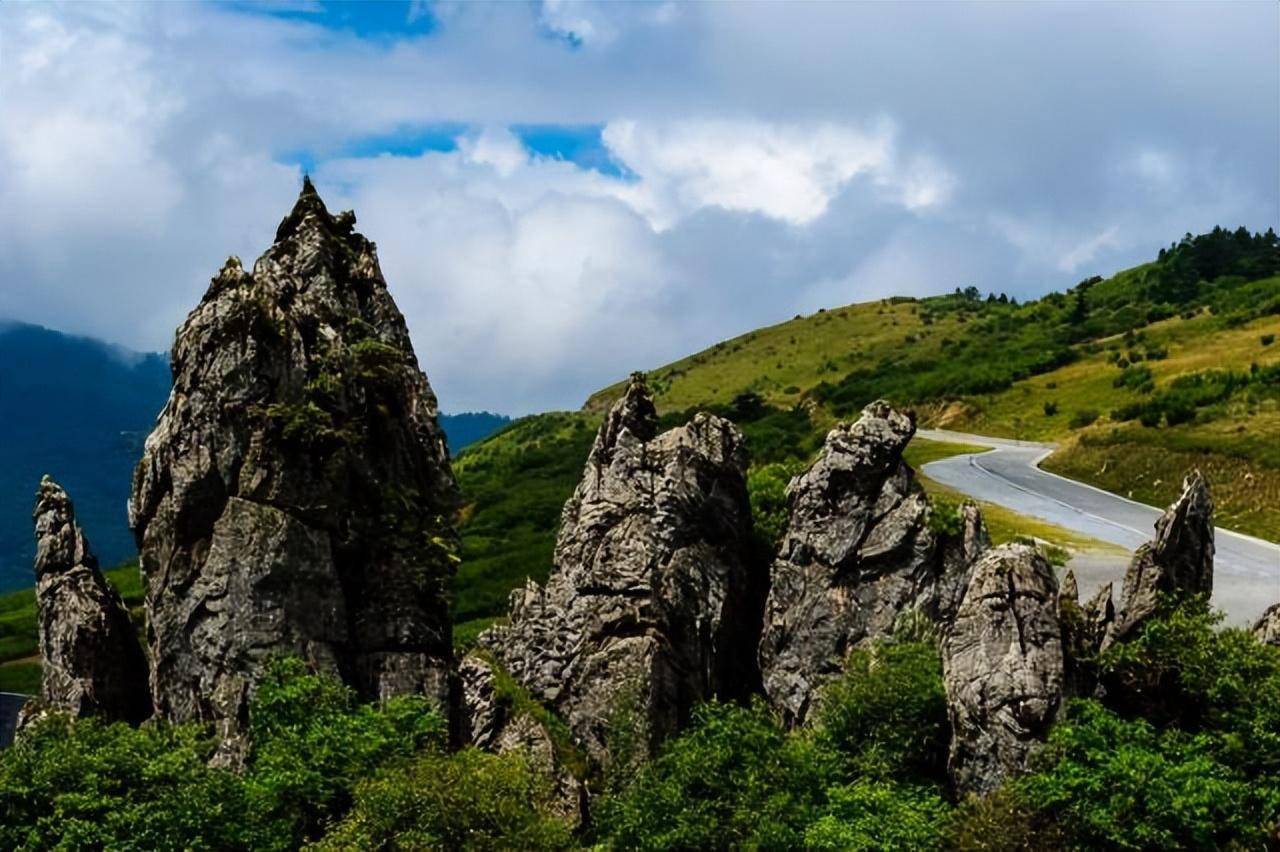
[292, 497]
[652, 604]
[1267, 628]
[1084, 629]
[491, 721]
[1002, 667]
[92, 662]
[1178, 561]
[857, 554]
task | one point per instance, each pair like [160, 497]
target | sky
[564, 192]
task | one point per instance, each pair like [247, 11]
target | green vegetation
[1182, 752]
[1147, 357]
[318, 757]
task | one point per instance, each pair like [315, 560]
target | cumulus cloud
[772, 162]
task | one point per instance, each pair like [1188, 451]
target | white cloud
[142, 143]
[788, 172]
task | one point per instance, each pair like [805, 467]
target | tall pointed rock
[293, 497]
[92, 662]
[859, 552]
[1177, 562]
[653, 604]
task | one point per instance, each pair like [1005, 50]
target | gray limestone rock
[1177, 562]
[1002, 667]
[293, 497]
[93, 664]
[653, 604]
[491, 721]
[1267, 628]
[858, 553]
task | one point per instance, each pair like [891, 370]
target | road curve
[1246, 569]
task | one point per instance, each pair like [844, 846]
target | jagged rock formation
[652, 604]
[293, 494]
[1267, 628]
[1002, 667]
[857, 554]
[492, 721]
[1084, 628]
[92, 662]
[1179, 561]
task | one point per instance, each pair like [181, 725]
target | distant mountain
[79, 410]
[470, 426]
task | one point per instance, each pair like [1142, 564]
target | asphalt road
[1246, 569]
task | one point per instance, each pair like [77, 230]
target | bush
[874, 815]
[312, 743]
[1113, 783]
[733, 779]
[468, 800]
[1050, 409]
[767, 487]
[1082, 418]
[86, 785]
[1267, 339]
[886, 716]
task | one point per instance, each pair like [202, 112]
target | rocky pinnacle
[92, 662]
[652, 604]
[293, 496]
[857, 555]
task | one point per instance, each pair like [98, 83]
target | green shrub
[875, 815]
[312, 743]
[86, 785]
[886, 716]
[1114, 783]
[467, 800]
[732, 779]
[1050, 409]
[767, 487]
[1082, 418]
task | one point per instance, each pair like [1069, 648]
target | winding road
[1246, 569]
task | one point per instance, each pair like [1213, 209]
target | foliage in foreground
[86, 785]
[1184, 752]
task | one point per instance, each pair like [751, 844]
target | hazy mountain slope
[76, 409]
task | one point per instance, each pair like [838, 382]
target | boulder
[1002, 667]
[859, 552]
[1177, 562]
[293, 496]
[1267, 628]
[92, 662]
[652, 598]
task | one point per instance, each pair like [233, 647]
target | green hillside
[1159, 368]
[1141, 376]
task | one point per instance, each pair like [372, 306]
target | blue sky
[562, 192]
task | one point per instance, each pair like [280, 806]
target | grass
[19, 642]
[921, 451]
